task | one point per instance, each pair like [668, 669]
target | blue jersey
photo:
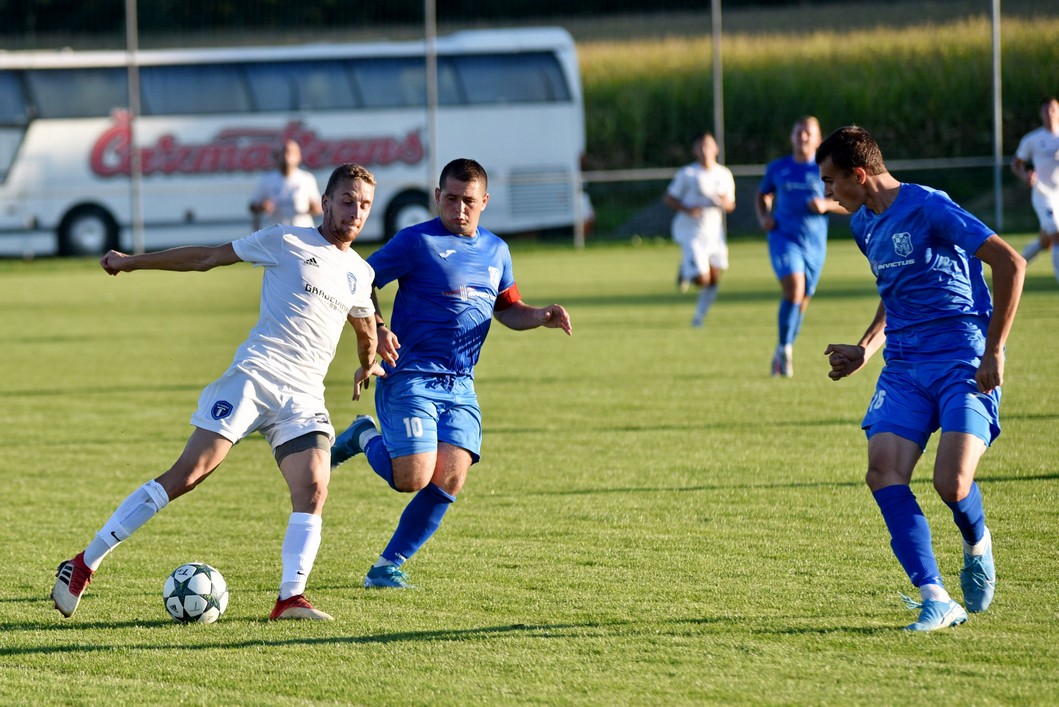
[447, 286]
[793, 184]
[921, 250]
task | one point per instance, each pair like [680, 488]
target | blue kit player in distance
[453, 278]
[792, 210]
[944, 360]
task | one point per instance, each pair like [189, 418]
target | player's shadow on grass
[544, 631]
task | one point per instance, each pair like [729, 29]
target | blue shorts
[913, 399]
[789, 257]
[416, 411]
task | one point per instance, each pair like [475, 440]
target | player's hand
[990, 373]
[768, 224]
[845, 360]
[388, 345]
[362, 378]
[556, 317]
[113, 262]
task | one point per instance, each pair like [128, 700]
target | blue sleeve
[394, 259]
[767, 186]
[952, 223]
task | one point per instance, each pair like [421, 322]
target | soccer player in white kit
[289, 194]
[701, 193]
[1036, 163]
[313, 283]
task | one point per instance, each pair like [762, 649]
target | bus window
[13, 119]
[301, 85]
[273, 87]
[78, 93]
[512, 78]
[193, 89]
[12, 102]
[401, 82]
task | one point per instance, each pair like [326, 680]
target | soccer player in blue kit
[453, 278]
[944, 360]
[792, 210]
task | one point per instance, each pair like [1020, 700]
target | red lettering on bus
[249, 150]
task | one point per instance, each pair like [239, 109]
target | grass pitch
[654, 520]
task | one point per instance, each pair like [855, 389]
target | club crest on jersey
[494, 278]
[352, 283]
[221, 409]
[902, 244]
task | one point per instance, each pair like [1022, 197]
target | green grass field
[654, 521]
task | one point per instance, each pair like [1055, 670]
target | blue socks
[790, 321]
[421, 518]
[909, 534]
[379, 459]
[969, 516]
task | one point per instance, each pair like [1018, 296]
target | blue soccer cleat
[978, 580]
[935, 614]
[347, 444]
[387, 577]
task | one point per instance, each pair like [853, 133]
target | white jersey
[1041, 147]
[292, 195]
[694, 186]
[308, 288]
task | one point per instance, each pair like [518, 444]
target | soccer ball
[195, 593]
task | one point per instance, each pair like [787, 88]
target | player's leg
[305, 464]
[1055, 254]
[706, 278]
[458, 435]
[203, 453]
[787, 264]
[899, 421]
[970, 421]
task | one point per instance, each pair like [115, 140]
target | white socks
[300, 546]
[1031, 250]
[134, 511]
[980, 547]
[933, 591]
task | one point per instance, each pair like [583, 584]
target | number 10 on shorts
[413, 427]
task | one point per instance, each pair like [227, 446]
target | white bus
[210, 118]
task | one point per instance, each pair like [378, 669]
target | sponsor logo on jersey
[221, 409]
[446, 253]
[352, 283]
[332, 301]
[312, 262]
[494, 277]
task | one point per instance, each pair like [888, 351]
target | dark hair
[464, 170]
[1046, 100]
[349, 172]
[849, 147]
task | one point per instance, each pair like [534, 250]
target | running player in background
[453, 278]
[287, 194]
[944, 360]
[701, 193]
[1036, 163]
[792, 210]
[313, 284]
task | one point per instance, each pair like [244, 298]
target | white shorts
[699, 254]
[239, 403]
[1046, 212]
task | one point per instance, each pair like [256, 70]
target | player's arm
[367, 346]
[823, 205]
[847, 359]
[1009, 272]
[763, 207]
[388, 342]
[1023, 171]
[513, 313]
[182, 259]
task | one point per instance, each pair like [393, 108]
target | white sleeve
[362, 304]
[261, 248]
[1024, 151]
[676, 187]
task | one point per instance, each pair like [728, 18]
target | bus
[208, 120]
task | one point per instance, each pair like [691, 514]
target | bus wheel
[87, 230]
[407, 209]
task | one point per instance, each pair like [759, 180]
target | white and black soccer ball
[195, 593]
